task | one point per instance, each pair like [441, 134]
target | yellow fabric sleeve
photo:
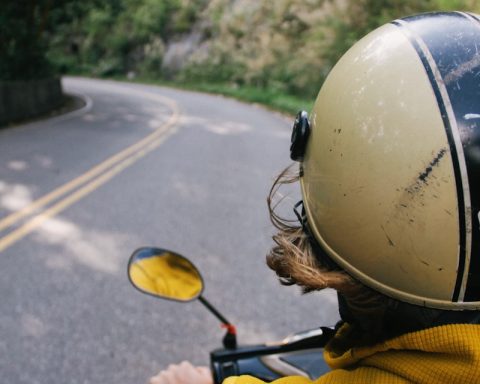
[447, 354]
[253, 380]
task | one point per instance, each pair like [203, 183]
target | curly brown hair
[292, 257]
[376, 316]
[294, 260]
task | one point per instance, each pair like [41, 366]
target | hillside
[285, 46]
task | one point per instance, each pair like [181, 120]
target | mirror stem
[212, 309]
[230, 339]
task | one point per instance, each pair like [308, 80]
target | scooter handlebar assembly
[300, 354]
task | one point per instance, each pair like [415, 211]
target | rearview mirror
[164, 274]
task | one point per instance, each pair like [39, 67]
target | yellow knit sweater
[447, 354]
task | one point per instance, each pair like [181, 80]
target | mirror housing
[162, 273]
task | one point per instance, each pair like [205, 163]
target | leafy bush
[21, 46]
[286, 46]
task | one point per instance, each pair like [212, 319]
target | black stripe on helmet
[450, 60]
[457, 54]
[473, 16]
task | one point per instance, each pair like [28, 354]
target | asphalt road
[138, 165]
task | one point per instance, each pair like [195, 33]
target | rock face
[254, 42]
[179, 51]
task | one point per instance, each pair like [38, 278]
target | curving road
[138, 165]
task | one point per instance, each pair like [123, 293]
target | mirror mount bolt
[230, 338]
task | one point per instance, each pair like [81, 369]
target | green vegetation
[271, 52]
[26, 29]
[20, 44]
[275, 100]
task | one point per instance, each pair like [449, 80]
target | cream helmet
[390, 161]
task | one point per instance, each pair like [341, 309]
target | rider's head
[390, 169]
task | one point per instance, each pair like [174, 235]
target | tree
[25, 26]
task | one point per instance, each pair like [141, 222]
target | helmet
[390, 161]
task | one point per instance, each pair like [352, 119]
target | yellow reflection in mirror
[166, 275]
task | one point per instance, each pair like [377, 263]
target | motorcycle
[168, 275]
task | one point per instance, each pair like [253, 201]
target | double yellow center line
[64, 196]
